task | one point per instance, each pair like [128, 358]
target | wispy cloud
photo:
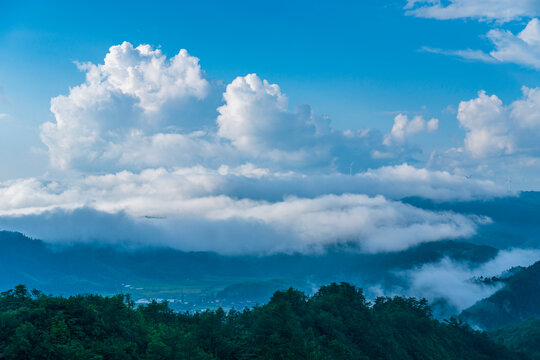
[468, 54]
[499, 10]
[522, 49]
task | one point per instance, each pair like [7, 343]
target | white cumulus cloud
[136, 88]
[256, 118]
[486, 122]
[493, 129]
[403, 128]
[140, 109]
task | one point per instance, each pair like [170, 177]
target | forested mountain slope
[523, 337]
[517, 301]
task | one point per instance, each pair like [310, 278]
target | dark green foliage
[335, 323]
[523, 337]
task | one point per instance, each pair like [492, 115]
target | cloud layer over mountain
[204, 209]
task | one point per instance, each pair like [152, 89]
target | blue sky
[276, 116]
[350, 56]
[359, 62]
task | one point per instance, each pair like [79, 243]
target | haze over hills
[105, 269]
[197, 280]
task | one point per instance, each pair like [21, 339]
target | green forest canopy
[335, 323]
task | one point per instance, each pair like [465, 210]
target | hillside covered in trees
[523, 337]
[517, 301]
[335, 323]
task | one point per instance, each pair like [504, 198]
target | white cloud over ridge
[31, 195]
[500, 10]
[288, 211]
[293, 224]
